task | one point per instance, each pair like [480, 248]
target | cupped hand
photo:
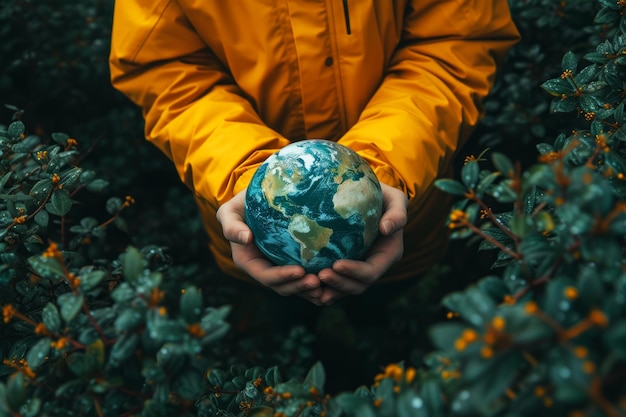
[351, 277]
[285, 280]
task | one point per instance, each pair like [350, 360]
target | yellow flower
[8, 312]
[498, 323]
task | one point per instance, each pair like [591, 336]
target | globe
[314, 202]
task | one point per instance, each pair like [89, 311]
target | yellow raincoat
[224, 84]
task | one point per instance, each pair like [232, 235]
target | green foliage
[99, 321]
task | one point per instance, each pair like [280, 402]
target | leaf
[60, 202]
[42, 218]
[451, 186]
[503, 164]
[498, 376]
[216, 377]
[30, 408]
[316, 377]
[123, 348]
[90, 279]
[545, 148]
[128, 319]
[113, 205]
[353, 405]
[70, 305]
[569, 62]
[486, 182]
[469, 173]
[473, 305]
[16, 391]
[133, 264]
[16, 129]
[191, 305]
[171, 357]
[557, 87]
[51, 318]
[5, 179]
[97, 185]
[444, 335]
[38, 353]
[615, 338]
[433, 397]
[60, 138]
[46, 267]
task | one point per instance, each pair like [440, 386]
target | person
[223, 85]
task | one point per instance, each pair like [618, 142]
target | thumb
[394, 216]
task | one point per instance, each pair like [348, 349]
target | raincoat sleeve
[430, 97]
[192, 108]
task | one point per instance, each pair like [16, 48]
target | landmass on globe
[314, 202]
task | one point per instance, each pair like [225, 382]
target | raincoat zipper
[346, 15]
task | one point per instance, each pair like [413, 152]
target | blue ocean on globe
[314, 202]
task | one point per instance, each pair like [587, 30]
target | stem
[494, 242]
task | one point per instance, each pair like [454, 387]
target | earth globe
[314, 202]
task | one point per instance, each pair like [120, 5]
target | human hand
[285, 280]
[354, 277]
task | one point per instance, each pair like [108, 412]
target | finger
[308, 284]
[313, 296]
[395, 205]
[331, 295]
[250, 259]
[385, 252]
[342, 283]
[231, 217]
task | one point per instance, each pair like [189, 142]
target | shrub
[100, 328]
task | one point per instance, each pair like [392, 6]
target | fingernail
[244, 236]
[386, 227]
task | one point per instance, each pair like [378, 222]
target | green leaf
[70, 305]
[49, 268]
[189, 385]
[60, 138]
[486, 182]
[16, 391]
[444, 335]
[545, 148]
[123, 293]
[473, 305]
[16, 129]
[353, 405]
[316, 377]
[123, 348]
[451, 186]
[97, 185]
[171, 357]
[42, 218]
[51, 318]
[498, 376]
[90, 279]
[216, 377]
[615, 338]
[71, 176]
[469, 173]
[31, 407]
[569, 62]
[191, 305]
[113, 205]
[129, 319]
[557, 87]
[133, 264]
[60, 202]
[77, 364]
[38, 353]
[503, 164]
